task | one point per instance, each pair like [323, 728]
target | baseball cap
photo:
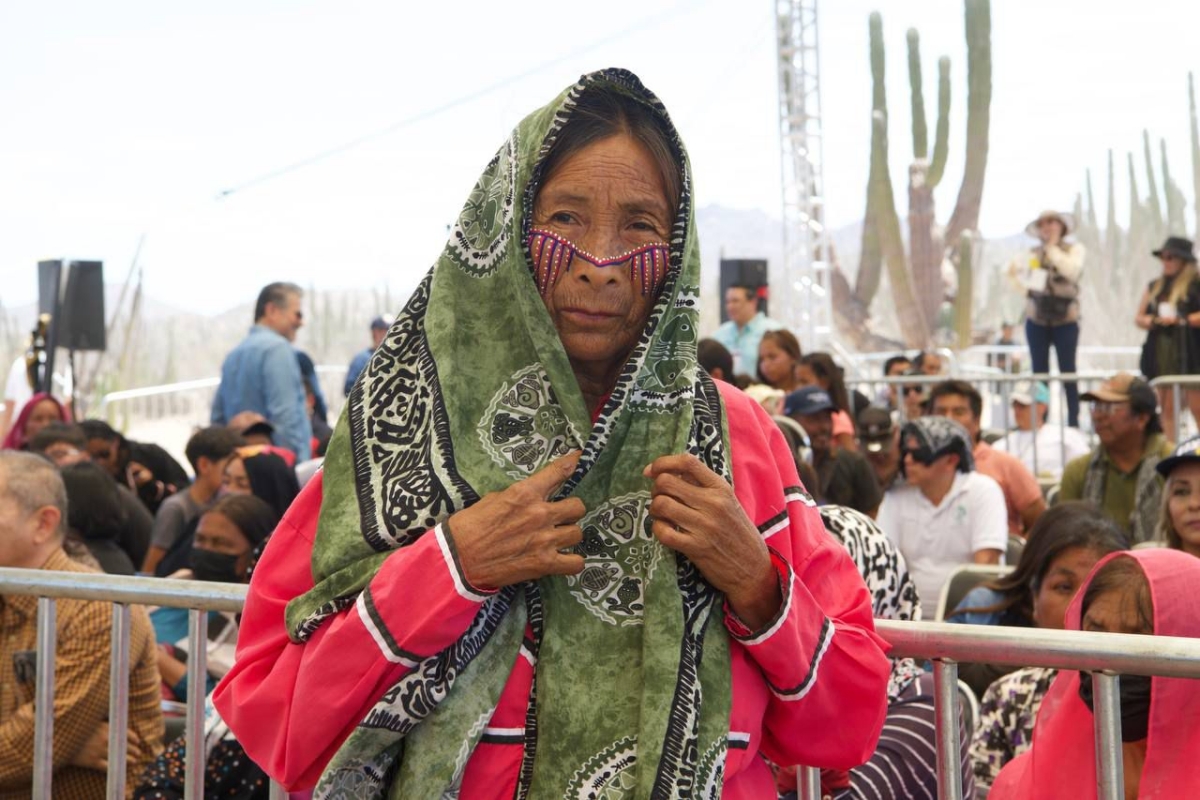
[1029, 392]
[807, 400]
[875, 428]
[1188, 450]
[1126, 388]
[380, 324]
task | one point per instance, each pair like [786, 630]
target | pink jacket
[808, 689]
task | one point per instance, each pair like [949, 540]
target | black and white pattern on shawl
[893, 593]
[410, 700]
[400, 437]
[680, 754]
[626, 381]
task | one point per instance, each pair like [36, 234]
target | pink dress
[810, 688]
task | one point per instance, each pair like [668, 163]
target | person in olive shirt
[844, 478]
[1119, 476]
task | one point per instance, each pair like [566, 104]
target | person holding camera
[1049, 275]
[1169, 313]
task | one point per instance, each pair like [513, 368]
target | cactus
[979, 99]
[963, 300]
[1091, 200]
[1195, 151]
[1154, 207]
[1175, 199]
[916, 277]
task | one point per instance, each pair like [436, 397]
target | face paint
[552, 255]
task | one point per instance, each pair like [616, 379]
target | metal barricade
[198, 597]
[1105, 655]
[1177, 384]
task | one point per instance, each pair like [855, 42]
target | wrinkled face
[1064, 576]
[819, 427]
[739, 306]
[957, 408]
[45, 412]
[285, 319]
[775, 364]
[607, 199]
[1115, 422]
[217, 533]
[234, 479]
[1183, 504]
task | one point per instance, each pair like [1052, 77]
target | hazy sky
[126, 118]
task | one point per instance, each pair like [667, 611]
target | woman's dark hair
[94, 508]
[826, 369]
[1124, 574]
[786, 341]
[271, 480]
[252, 516]
[602, 112]
[1060, 528]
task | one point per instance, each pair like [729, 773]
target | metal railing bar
[43, 731]
[197, 675]
[1110, 766]
[949, 747]
[124, 589]
[118, 702]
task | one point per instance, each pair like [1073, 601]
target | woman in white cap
[1048, 275]
[1169, 312]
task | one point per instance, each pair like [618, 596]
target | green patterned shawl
[471, 391]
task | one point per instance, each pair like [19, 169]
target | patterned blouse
[1006, 716]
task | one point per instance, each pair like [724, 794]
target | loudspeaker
[744, 272]
[82, 313]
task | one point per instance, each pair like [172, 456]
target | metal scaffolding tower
[800, 285]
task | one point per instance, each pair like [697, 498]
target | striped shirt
[82, 664]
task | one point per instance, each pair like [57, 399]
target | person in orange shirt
[961, 402]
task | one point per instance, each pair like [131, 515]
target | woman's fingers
[668, 509]
[546, 481]
[686, 466]
[565, 512]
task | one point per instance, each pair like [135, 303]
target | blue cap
[808, 400]
[1027, 393]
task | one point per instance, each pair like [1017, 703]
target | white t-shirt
[1052, 448]
[936, 539]
[16, 388]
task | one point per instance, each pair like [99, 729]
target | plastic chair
[1012, 553]
[962, 580]
[1153, 543]
[969, 704]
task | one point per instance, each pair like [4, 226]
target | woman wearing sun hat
[1169, 312]
[1048, 275]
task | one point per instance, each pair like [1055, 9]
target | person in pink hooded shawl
[37, 413]
[1161, 743]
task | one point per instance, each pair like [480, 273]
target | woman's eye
[563, 217]
[643, 225]
[1064, 588]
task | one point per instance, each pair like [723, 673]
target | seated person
[961, 402]
[255, 429]
[145, 468]
[65, 444]
[226, 536]
[879, 442]
[887, 397]
[1120, 476]
[843, 478]
[1063, 547]
[41, 410]
[1149, 591]
[1043, 449]
[33, 507]
[95, 517]
[905, 761]
[715, 359]
[946, 514]
[1179, 523]
[208, 450]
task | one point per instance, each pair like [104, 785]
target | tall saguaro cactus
[1195, 150]
[915, 277]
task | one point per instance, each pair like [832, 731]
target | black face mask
[1135, 704]
[219, 567]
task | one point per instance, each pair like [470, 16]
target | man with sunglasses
[1119, 476]
[946, 514]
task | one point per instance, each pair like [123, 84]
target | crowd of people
[486, 558]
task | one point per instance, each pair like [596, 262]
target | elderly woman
[547, 556]
[1141, 592]
[1048, 275]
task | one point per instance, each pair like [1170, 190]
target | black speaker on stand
[76, 313]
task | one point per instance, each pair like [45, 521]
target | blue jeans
[1065, 339]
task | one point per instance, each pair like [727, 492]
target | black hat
[1177, 246]
[807, 400]
[875, 428]
[1186, 451]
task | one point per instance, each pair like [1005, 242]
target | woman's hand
[519, 534]
[696, 512]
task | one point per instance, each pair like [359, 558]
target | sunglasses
[914, 390]
[922, 455]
